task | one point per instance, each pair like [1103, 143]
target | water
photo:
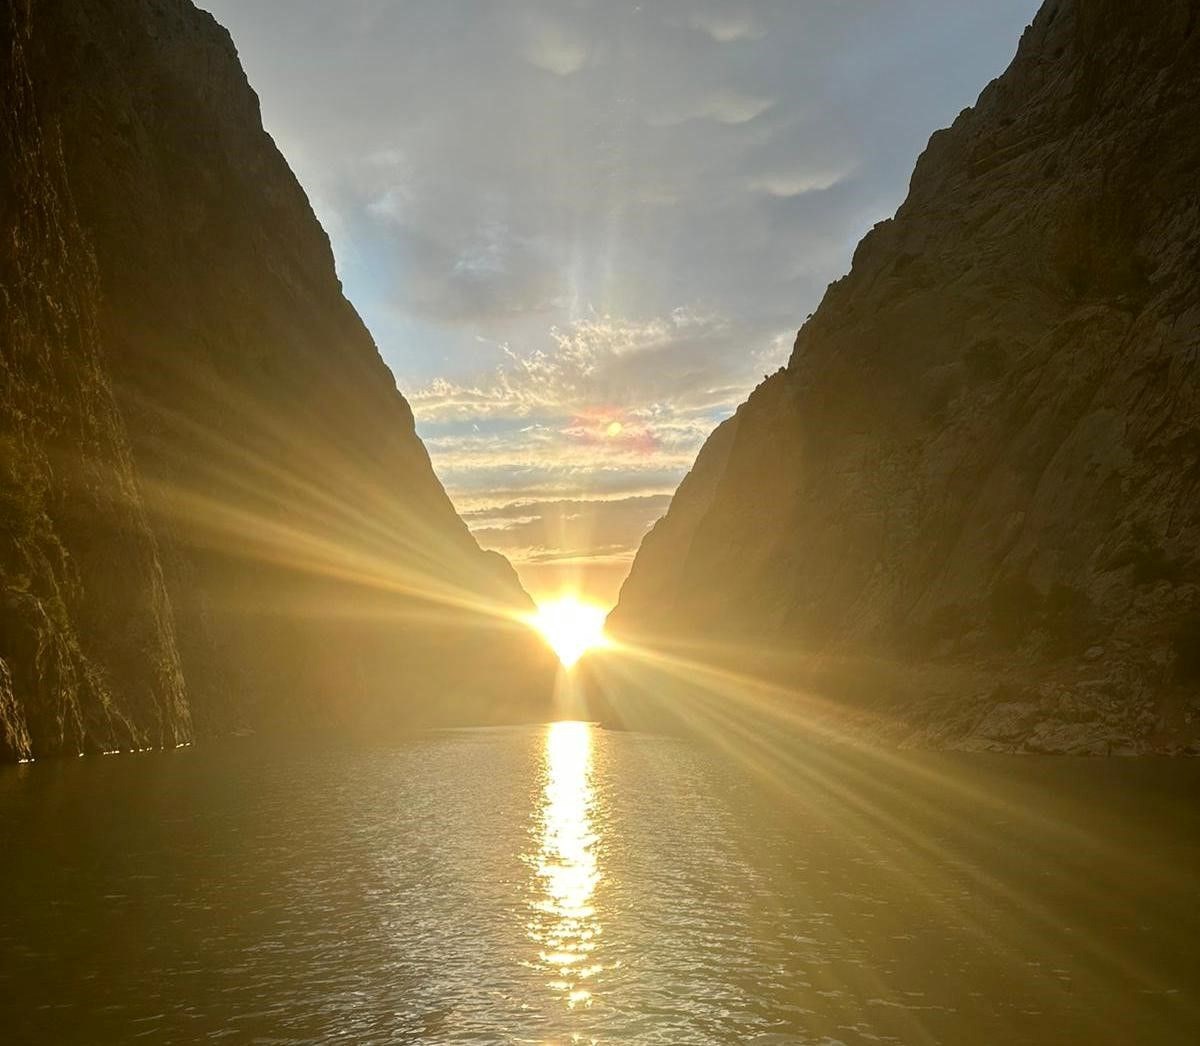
[572, 884]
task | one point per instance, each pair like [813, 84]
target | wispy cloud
[605, 369]
[784, 184]
[727, 27]
[554, 46]
[558, 542]
[567, 529]
[610, 407]
[721, 106]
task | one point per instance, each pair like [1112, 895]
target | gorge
[364, 788]
[965, 514]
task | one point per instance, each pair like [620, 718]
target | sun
[570, 626]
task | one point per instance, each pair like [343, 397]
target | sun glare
[570, 626]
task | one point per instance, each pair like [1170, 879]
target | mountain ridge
[307, 567]
[980, 460]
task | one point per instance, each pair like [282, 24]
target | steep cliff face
[979, 474]
[76, 551]
[217, 511]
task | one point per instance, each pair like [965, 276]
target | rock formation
[968, 510]
[215, 512]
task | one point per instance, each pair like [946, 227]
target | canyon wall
[217, 514]
[967, 512]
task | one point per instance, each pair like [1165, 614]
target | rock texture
[969, 507]
[216, 513]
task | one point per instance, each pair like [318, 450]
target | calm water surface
[570, 884]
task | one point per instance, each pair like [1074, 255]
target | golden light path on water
[564, 925]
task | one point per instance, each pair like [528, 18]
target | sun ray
[757, 723]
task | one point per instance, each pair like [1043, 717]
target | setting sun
[570, 626]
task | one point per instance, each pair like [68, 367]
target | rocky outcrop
[216, 511]
[976, 484]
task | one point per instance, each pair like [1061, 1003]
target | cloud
[726, 27]
[554, 47]
[556, 458]
[796, 183]
[585, 545]
[606, 366]
[488, 275]
[722, 106]
[608, 407]
[541, 531]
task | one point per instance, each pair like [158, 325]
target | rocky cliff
[967, 512]
[216, 513]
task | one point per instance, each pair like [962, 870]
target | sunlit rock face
[975, 489]
[217, 512]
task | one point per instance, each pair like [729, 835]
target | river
[570, 884]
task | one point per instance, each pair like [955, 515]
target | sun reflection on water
[564, 923]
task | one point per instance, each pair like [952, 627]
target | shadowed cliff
[967, 512]
[217, 513]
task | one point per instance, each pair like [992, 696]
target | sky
[582, 231]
